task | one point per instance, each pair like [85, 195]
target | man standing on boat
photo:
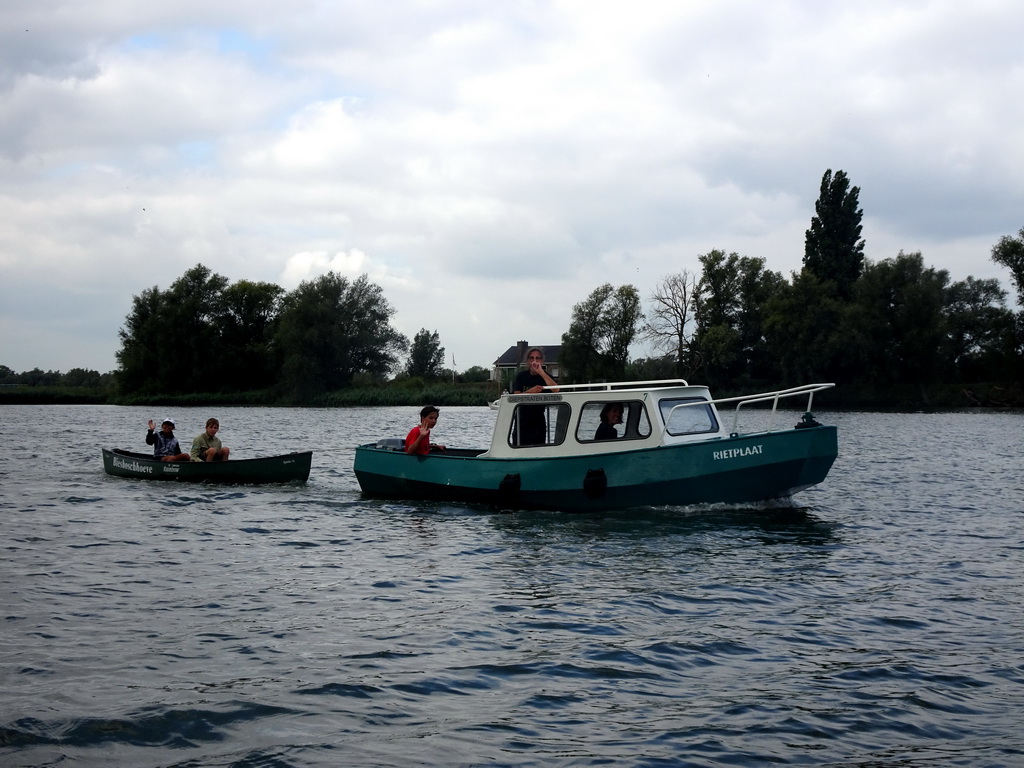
[532, 423]
[165, 444]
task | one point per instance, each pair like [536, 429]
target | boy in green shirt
[207, 446]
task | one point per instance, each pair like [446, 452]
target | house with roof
[514, 358]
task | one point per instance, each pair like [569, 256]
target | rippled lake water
[877, 622]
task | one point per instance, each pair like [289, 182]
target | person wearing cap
[165, 444]
[418, 439]
[207, 446]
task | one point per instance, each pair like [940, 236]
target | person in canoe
[165, 444]
[418, 439]
[533, 430]
[207, 447]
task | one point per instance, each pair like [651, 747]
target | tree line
[204, 335]
[79, 378]
[893, 332]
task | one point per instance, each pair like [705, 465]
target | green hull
[735, 470]
[288, 468]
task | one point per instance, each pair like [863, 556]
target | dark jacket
[163, 445]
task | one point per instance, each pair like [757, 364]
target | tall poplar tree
[833, 248]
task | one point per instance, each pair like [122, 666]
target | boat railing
[762, 397]
[774, 398]
[608, 386]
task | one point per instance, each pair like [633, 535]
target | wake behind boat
[670, 446]
[286, 468]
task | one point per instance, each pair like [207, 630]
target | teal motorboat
[672, 444]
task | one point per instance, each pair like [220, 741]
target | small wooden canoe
[287, 468]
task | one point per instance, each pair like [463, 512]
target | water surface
[875, 622]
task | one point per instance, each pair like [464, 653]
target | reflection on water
[774, 522]
[874, 620]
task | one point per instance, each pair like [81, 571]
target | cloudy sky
[488, 163]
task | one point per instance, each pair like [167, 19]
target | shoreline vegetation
[944, 397]
[435, 394]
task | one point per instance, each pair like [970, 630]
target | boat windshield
[687, 419]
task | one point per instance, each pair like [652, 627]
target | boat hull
[734, 470]
[287, 468]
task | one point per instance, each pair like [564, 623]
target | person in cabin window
[418, 439]
[207, 447]
[165, 444]
[611, 415]
[532, 428]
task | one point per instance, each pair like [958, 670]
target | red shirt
[411, 438]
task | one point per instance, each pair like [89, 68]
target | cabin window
[683, 419]
[534, 425]
[634, 424]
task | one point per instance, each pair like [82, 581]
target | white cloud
[308, 265]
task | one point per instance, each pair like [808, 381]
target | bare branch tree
[670, 322]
